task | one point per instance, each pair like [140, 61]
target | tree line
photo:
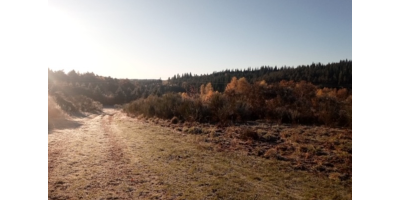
[332, 75]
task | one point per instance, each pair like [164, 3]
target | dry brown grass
[315, 149]
[113, 156]
[288, 159]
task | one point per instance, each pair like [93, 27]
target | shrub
[174, 120]
[282, 114]
[187, 110]
[285, 102]
[217, 101]
[77, 103]
[249, 134]
[271, 153]
[195, 130]
[86, 104]
[271, 136]
[166, 106]
[342, 94]
[64, 103]
[294, 115]
[328, 111]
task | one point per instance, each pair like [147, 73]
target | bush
[328, 111]
[285, 102]
[174, 120]
[86, 104]
[282, 114]
[187, 110]
[64, 103]
[195, 130]
[249, 134]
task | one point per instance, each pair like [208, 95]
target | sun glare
[70, 45]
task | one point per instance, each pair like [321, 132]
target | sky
[157, 39]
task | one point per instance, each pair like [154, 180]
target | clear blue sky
[153, 39]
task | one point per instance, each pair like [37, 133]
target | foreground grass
[112, 156]
[185, 166]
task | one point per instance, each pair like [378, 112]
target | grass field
[112, 156]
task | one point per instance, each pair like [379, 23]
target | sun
[70, 45]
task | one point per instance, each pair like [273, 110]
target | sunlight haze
[157, 39]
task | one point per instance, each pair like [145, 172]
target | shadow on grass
[61, 123]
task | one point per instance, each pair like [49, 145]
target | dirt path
[89, 162]
[112, 156]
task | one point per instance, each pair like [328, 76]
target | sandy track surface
[112, 156]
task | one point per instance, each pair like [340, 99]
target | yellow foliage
[206, 92]
[285, 83]
[202, 90]
[262, 83]
[342, 93]
[243, 86]
[320, 93]
[209, 88]
[208, 96]
[326, 92]
[185, 95]
[232, 85]
[332, 93]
